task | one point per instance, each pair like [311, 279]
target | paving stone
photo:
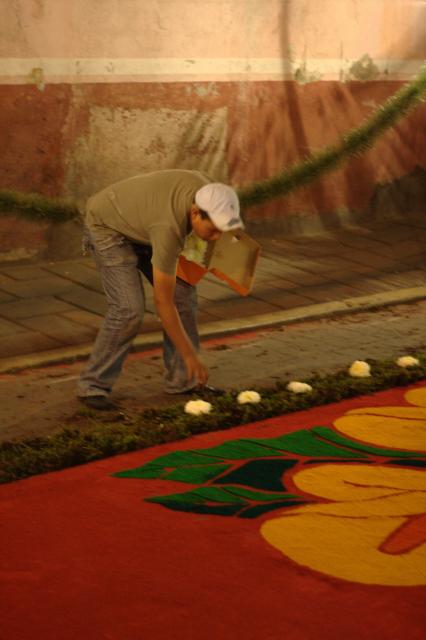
[204, 316]
[78, 273]
[273, 284]
[284, 299]
[25, 343]
[413, 278]
[363, 243]
[329, 293]
[291, 273]
[332, 263]
[24, 272]
[68, 264]
[347, 276]
[371, 259]
[412, 262]
[318, 241]
[60, 329]
[87, 260]
[86, 318]
[4, 279]
[8, 328]
[270, 261]
[6, 297]
[240, 308]
[48, 286]
[410, 247]
[150, 307]
[303, 263]
[337, 249]
[32, 307]
[370, 271]
[369, 285]
[263, 275]
[407, 233]
[415, 222]
[83, 298]
[215, 290]
[405, 248]
[150, 323]
[303, 278]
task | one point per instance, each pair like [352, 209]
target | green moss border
[94, 437]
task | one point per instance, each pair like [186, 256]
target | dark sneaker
[99, 403]
[208, 390]
[204, 391]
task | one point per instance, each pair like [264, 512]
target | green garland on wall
[39, 208]
[35, 207]
[352, 144]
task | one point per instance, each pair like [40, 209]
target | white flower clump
[299, 387]
[359, 369]
[197, 407]
[194, 249]
[407, 361]
[248, 397]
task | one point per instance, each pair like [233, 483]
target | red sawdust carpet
[307, 526]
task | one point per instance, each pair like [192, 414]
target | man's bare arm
[164, 288]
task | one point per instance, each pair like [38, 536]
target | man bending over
[140, 225]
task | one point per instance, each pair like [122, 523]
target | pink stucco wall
[94, 91]
[212, 29]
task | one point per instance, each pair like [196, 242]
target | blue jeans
[120, 262]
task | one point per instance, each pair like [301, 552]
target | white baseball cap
[221, 204]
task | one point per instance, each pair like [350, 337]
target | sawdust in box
[232, 258]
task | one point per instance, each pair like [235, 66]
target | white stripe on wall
[54, 70]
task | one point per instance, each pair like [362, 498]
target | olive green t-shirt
[150, 208]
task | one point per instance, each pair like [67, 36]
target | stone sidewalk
[52, 310]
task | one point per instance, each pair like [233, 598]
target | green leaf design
[266, 475]
[329, 434]
[164, 464]
[229, 501]
[307, 443]
[246, 477]
[195, 474]
[259, 496]
[243, 449]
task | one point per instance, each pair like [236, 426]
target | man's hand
[196, 369]
[164, 288]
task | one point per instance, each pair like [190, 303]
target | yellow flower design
[397, 427]
[371, 526]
